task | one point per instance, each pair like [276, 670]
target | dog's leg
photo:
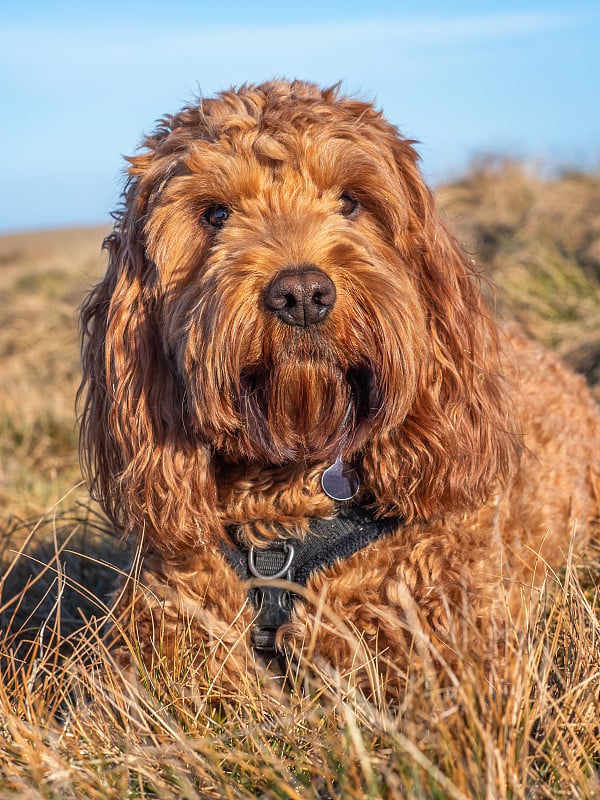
[188, 618]
[433, 594]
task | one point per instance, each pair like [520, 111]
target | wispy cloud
[86, 43]
[80, 89]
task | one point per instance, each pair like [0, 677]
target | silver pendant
[340, 482]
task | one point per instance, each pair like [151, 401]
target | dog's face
[290, 312]
[281, 291]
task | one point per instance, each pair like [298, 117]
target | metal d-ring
[280, 573]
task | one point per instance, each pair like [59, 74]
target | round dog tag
[340, 482]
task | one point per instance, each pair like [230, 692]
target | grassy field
[42, 280]
[72, 726]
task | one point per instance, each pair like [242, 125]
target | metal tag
[340, 482]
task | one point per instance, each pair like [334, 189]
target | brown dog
[282, 296]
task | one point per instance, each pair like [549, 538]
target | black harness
[295, 560]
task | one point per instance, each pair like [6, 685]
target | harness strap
[293, 559]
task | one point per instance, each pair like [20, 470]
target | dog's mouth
[308, 410]
[366, 399]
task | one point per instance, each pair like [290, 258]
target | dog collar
[292, 559]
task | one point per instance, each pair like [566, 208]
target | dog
[296, 396]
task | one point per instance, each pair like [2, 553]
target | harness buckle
[274, 604]
[282, 572]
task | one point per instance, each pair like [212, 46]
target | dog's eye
[349, 206]
[216, 216]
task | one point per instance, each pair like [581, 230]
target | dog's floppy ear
[148, 473]
[458, 441]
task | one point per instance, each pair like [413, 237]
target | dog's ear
[458, 441]
[150, 475]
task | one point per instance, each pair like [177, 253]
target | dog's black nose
[301, 296]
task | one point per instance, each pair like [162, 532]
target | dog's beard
[301, 409]
[277, 396]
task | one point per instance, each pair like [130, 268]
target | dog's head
[281, 291]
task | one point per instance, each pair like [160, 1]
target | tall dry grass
[72, 725]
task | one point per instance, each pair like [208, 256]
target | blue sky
[80, 84]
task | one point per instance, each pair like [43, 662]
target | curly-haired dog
[286, 321]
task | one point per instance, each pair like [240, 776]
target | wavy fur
[201, 409]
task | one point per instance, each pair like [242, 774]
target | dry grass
[539, 241]
[70, 726]
[42, 280]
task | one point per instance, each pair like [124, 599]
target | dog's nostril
[301, 296]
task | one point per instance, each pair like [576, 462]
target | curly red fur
[202, 409]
